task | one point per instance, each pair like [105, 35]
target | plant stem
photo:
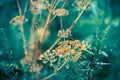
[23, 38]
[54, 9]
[48, 21]
[22, 29]
[55, 71]
[32, 6]
[25, 7]
[79, 15]
[19, 8]
[53, 18]
[89, 52]
[45, 28]
[72, 25]
[54, 6]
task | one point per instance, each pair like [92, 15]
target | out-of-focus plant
[64, 50]
[9, 69]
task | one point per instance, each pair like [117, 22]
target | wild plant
[64, 50]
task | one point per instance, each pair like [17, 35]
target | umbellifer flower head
[61, 12]
[18, 20]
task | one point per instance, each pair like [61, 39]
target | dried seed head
[73, 48]
[61, 12]
[79, 4]
[39, 6]
[18, 20]
[62, 33]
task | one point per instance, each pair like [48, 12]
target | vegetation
[59, 39]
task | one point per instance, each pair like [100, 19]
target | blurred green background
[91, 24]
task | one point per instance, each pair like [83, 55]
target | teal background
[91, 23]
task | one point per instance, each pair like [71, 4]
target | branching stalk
[48, 21]
[72, 25]
[19, 8]
[45, 27]
[55, 71]
[22, 29]
[23, 38]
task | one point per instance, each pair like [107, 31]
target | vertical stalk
[22, 29]
[45, 27]
[23, 38]
[72, 25]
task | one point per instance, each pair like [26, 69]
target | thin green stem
[25, 7]
[53, 18]
[56, 5]
[19, 8]
[55, 71]
[89, 52]
[23, 38]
